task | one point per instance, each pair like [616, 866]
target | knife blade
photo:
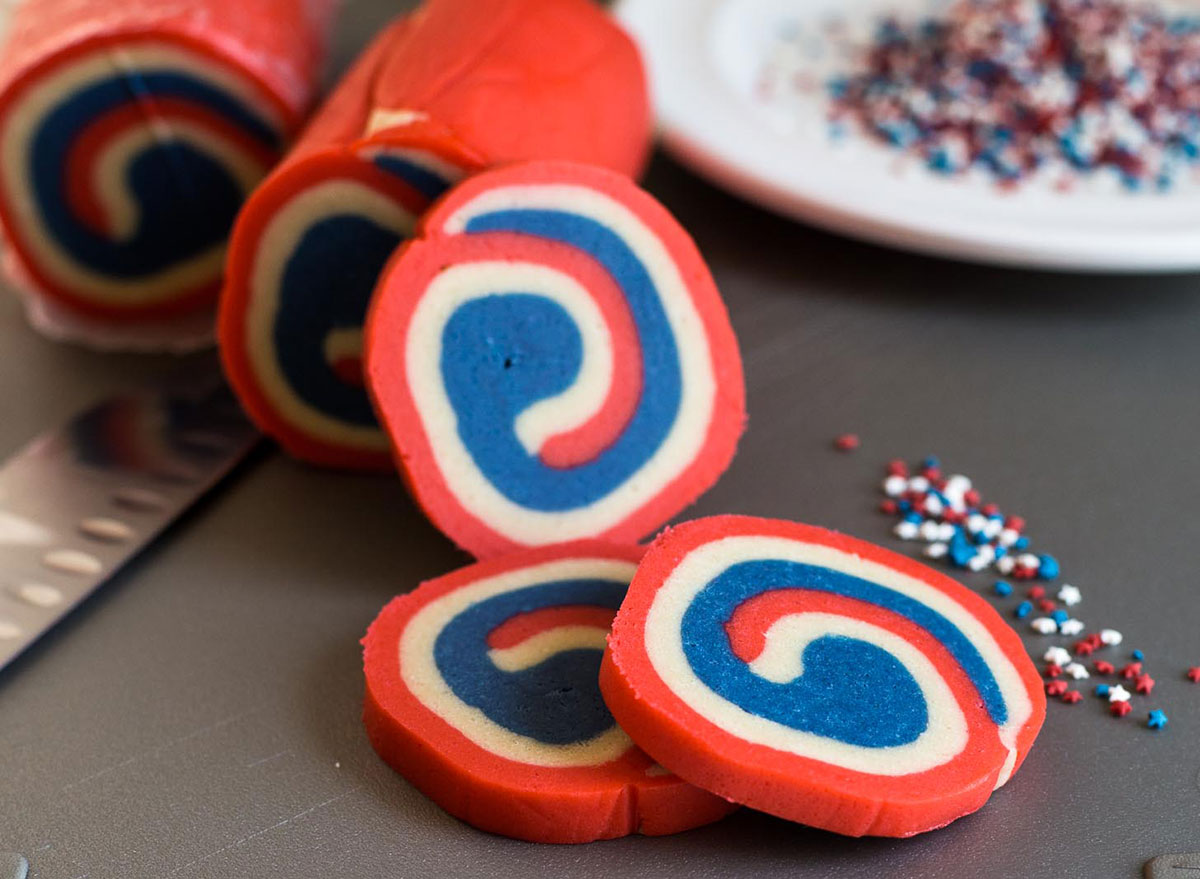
[80, 501]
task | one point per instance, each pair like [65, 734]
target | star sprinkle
[1077, 671]
[1157, 720]
[1118, 694]
[1144, 684]
[1193, 674]
[1058, 656]
[1069, 595]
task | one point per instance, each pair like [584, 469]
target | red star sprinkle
[1047, 605]
[847, 442]
[1104, 668]
[1120, 709]
[1144, 684]
[1083, 648]
[1052, 670]
[1072, 696]
[1095, 640]
[1036, 592]
[888, 507]
[1056, 688]
[1131, 671]
[1194, 674]
[897, 468]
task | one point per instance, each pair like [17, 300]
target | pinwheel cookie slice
[458, 86]
[130, 133]
[553, 362]
[819, 678]
[482, 691]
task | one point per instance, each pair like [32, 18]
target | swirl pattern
[306, 258]
[553, 361]
[102, 144]
[862, 674]
[494, 668]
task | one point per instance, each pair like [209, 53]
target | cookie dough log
[819, 678]
[130, 134]
[481, 690]
[458, 86]
[553, 361]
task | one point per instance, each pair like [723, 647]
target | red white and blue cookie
[458, 86]
[553, 362]
[482, 691]
[130, 133]
[819, 678]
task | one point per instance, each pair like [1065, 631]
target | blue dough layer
[327, 285]
[161, 179]
[505, 352]
[850, 691]
[556, 702]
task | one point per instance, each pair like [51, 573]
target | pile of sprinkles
[1023, 87]
[958, 526]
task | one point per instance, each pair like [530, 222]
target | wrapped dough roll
[458, 86]
[131, 132]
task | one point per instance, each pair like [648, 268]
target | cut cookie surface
[819, 678]
[482, 691]
[553, 362]
[456, 87]
[131, 133]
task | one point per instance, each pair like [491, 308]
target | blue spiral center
[504, 352]
[557, 701]
[850, 691]
[187, 199]
[327, 286]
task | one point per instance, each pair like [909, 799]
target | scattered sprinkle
[1077, 671]
[847, 442]
[1056, 688]
[1069, 595]
[1157, 720]
[1058, 88]
[1057, 656]
[1131, 670]
[1044, 626]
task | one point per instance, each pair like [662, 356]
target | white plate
[706, 58]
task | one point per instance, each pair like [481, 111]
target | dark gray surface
[199, 717]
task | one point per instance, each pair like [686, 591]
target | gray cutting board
[198, 719]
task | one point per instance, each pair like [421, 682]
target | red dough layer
[277, 46]
[523, 79]
[536, 803]
[433, 250]
[781, 782]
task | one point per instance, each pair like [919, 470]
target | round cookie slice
[819, 678]
[482, 691]
[552, 361]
